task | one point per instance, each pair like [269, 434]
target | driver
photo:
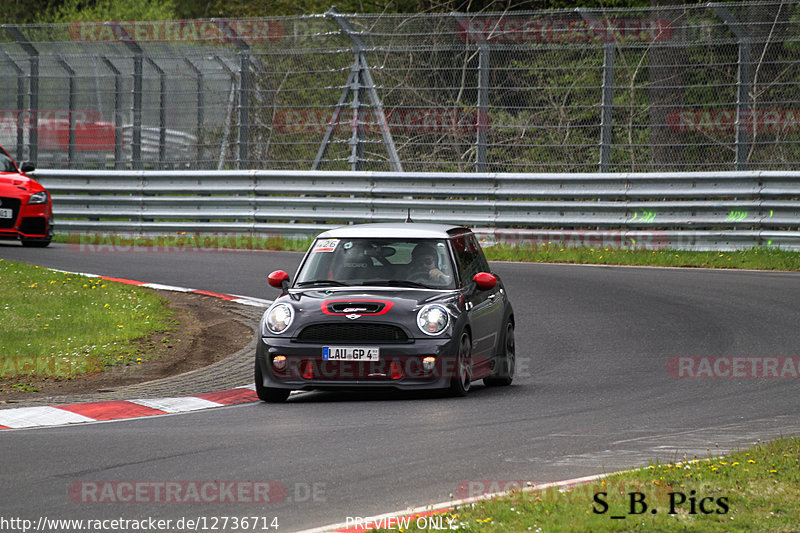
[424, 262]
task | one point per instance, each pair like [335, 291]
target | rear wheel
[461, 381]
[506, 363]
[268, 394]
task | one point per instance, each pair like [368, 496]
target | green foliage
[80, 10]
[49, 11]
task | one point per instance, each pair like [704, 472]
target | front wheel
[461, 381]
[268, 394]
[506, 363]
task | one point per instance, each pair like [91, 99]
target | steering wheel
[420, 277]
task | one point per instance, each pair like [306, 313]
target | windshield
[378, 262]
[6, 165]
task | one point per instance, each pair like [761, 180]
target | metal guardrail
[686, 210]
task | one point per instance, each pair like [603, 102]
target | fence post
[33, 89]
[117, 113]
[70, 111]
[162, 114]
[20, 105]
[606, 96]
[136, 136]
[234, 84]
[200, 104]
[365, 81]
[743, 82]
[243, 136]
[607, 121]
[483, 107]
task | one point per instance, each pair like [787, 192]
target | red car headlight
[38, 198]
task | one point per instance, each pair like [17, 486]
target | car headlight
[432, 319]
[38, 198]
[279, 318]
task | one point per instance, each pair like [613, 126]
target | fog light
[279, 363]
[428, 363]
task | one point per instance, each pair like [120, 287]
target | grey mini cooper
[403, 306]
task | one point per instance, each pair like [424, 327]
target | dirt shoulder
[208, 330]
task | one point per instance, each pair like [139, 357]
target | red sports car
[26, 210]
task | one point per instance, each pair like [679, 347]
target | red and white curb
[48, 416]
[399, 520]
[244, 300]
[59, 415]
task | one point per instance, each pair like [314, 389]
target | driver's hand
[437, 275]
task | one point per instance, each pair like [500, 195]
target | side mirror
[279, 279]
[484, 281]
[27, 166]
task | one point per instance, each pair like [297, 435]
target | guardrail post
[33, 89]
[20, 104]
[118, 163]
[483, 107]
[743, 82]
[70, 111]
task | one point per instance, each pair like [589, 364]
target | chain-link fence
[711, 87]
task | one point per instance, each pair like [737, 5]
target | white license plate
[6, 213]
[350, 353]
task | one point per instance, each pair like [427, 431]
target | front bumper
[29, 222]
[306, 370]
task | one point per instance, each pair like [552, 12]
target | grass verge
[753, 490]
[59, 325]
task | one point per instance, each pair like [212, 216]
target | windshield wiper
[396, 283]
[322, 282]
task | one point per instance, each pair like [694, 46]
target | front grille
[365, 332]
[361, 308]
[13, 204]
[33, 225]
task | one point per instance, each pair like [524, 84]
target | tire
[460, 383]
[507, 364]
[36, 243]
[268, 394]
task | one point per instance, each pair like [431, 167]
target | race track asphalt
[593, 394]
